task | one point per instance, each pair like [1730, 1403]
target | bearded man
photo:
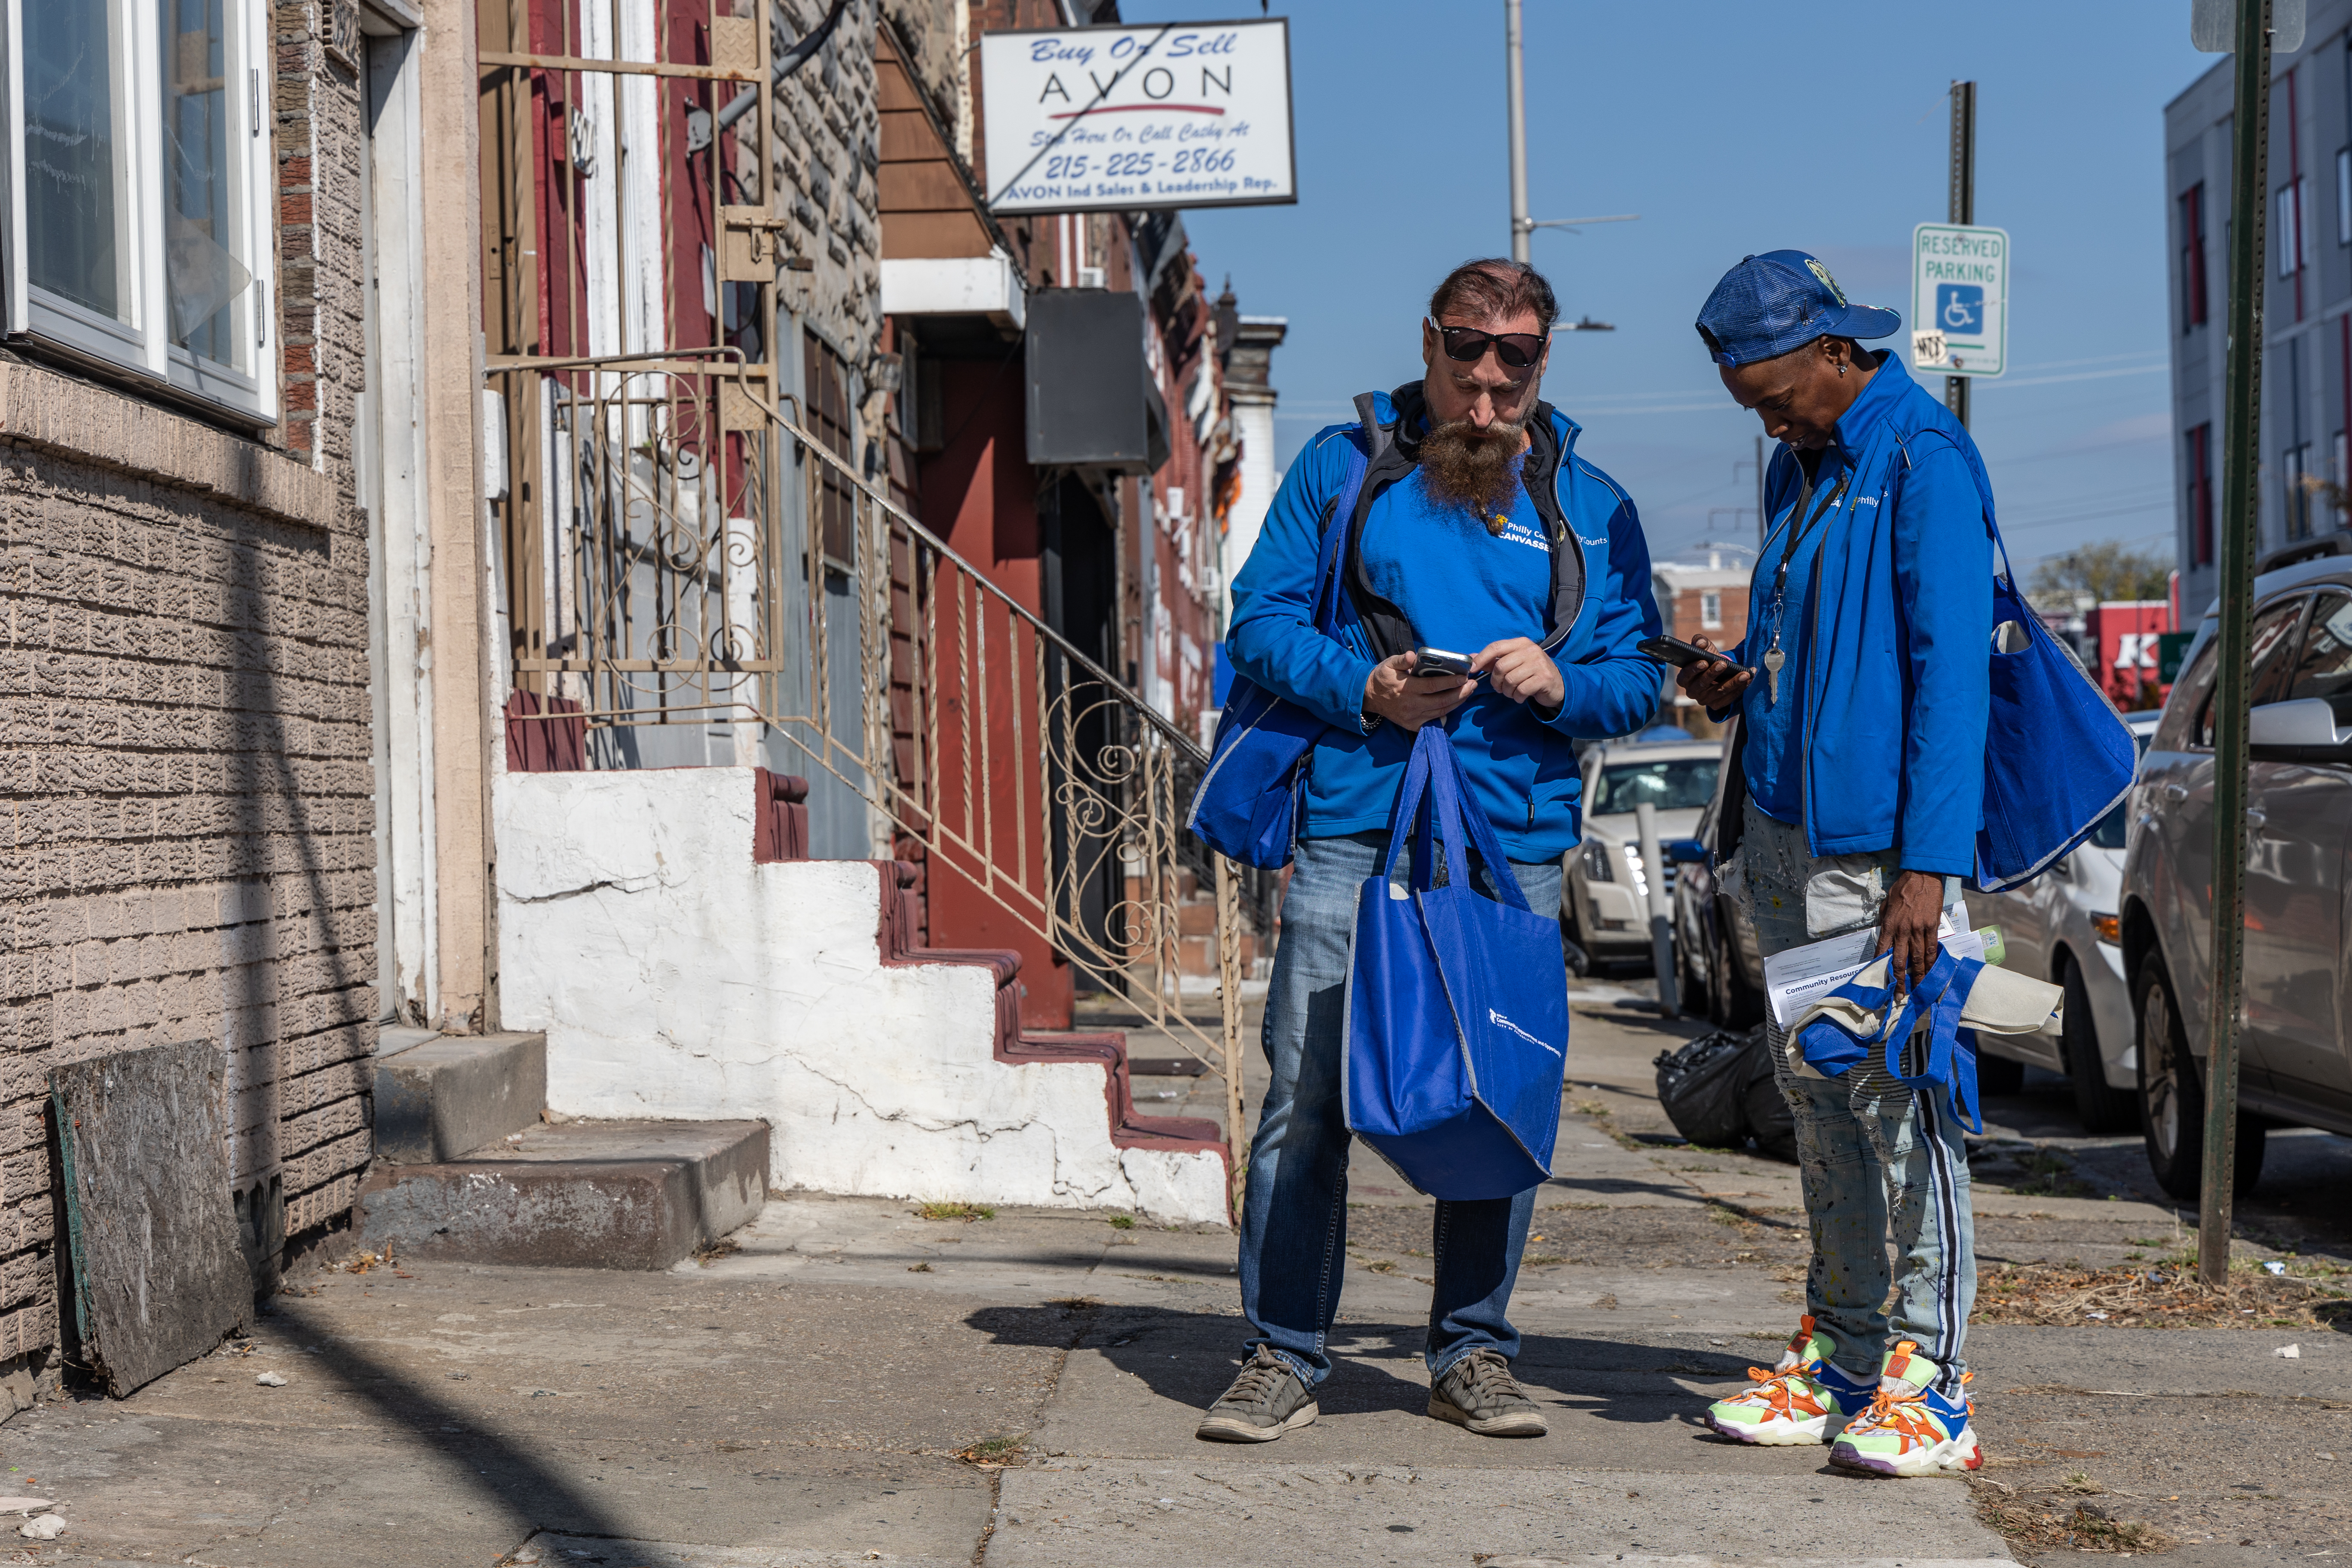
[1475, 529]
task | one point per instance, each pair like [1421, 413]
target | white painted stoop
[676, 979]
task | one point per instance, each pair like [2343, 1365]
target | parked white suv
[2297, 1030]
[2064, 927]
[1605, 897]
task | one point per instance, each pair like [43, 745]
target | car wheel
[1696, 1000]
[1999, 1075]
[2172, 1096]
[1572, 944]
[2101, 1106]
[1736, 1006]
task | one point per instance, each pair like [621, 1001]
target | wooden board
[158, 1276]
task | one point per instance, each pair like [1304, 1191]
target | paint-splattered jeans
[1294, 1239]
[1875, 1158]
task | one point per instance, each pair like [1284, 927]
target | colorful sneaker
[1794, 1403]
[1909, 1428]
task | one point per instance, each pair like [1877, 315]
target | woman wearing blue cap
[1862, 690]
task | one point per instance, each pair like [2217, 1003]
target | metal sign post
[2249, 179]
[1962, 210]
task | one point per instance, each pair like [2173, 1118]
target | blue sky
[1730, 129]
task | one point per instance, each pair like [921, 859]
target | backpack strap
[1333, 547]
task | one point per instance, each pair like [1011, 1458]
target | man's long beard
[1464, 465]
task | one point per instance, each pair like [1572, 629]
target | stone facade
[828, 131]
[188, 819]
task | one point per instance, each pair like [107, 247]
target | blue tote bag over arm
[2058, 757]
[1456, 1029]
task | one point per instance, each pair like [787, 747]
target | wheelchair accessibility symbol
[1960, 307]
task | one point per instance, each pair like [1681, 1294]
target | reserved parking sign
[1959, 300]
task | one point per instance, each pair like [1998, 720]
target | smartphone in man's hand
[1680, 654]
[1429, 662]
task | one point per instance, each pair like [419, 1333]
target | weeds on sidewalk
[965, 1211]
[996, 1452]
[2042, 1519]
[710, 1252]
[2167, 1295]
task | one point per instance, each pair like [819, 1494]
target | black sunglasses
[1467, 345]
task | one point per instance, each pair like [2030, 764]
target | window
[1684, 785]
[1710, 609]
[831, 500]
[143, 219]
[2291, 244]
[2294, 472]
[2200, 494]
[2192, 258]
[2325, 670]
[2270, 648]
[2186, 707]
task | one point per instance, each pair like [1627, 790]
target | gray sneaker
[1479, 1391]
[1266, 1401]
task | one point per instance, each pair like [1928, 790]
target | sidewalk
[856, 1384]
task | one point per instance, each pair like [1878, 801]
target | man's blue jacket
[1896, 688]
[1522, 767]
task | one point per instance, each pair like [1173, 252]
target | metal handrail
[914, 526]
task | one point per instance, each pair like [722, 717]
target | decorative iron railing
[655, 460]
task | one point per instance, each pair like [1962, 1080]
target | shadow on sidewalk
[1189, 1357]
[534, 1494]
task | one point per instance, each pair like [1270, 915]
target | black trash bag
[1719, 1092]
[1704, 1088]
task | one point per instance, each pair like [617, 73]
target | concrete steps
[451, 1093]
[468, 1169]
[575, 1194]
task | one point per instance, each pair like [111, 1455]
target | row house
[561, 546]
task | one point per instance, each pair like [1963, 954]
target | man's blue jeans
[1294, 1211]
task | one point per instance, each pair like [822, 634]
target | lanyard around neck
[1799, 528]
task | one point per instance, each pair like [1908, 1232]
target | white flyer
[1794, 980]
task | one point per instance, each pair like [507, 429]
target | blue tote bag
[1949, 1064]
[1246, 808]
[2058, 757]
[1456, 1031]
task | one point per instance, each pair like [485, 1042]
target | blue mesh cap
[1771, 304]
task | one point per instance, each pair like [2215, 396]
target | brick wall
[185, 803]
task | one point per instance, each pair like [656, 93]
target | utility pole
[2248, 181]
[1522, 231]
[1962, 207]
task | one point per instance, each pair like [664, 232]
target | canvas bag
[1951, 1002]
[1455, 1038]
[2046, 709]
[1247, 806]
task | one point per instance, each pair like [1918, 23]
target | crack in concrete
[631, 885]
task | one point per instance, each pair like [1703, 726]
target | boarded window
[831, 502]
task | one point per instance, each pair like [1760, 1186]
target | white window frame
[2291, 232]
[2344, 195]
[143, 350]
[1710, 608]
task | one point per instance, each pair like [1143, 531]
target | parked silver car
[2296, 1066]
[2063, 927]
[1603, 896]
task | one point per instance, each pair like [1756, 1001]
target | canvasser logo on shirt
[1517, 533]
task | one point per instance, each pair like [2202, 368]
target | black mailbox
[1091, 401]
